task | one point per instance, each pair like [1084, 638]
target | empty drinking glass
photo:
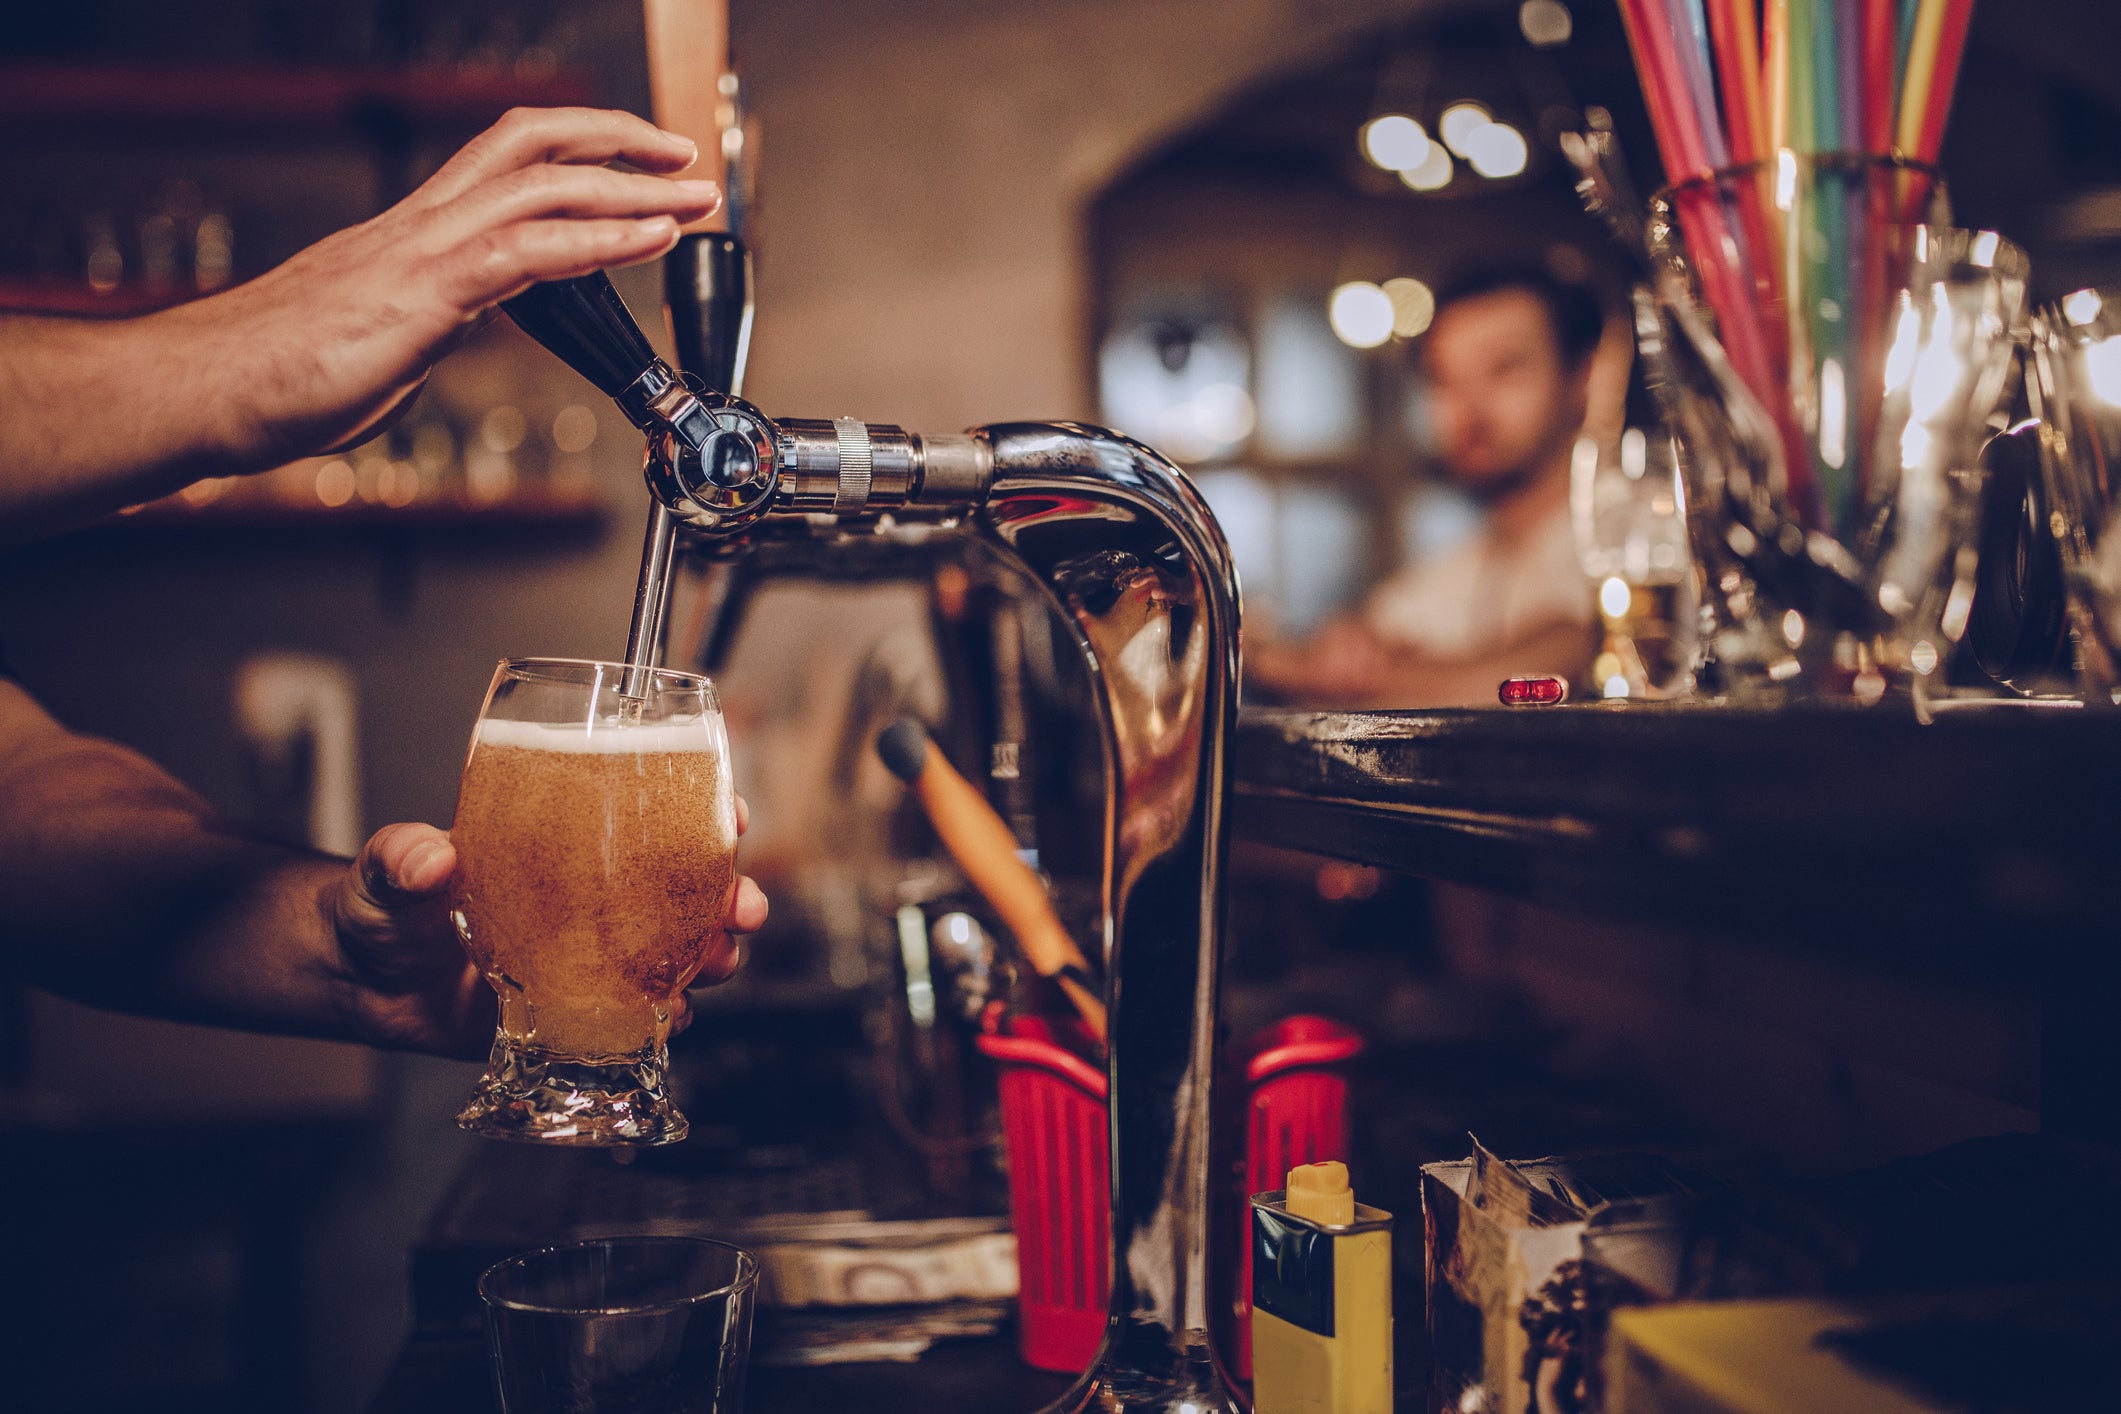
[1631, 535]
[627, 1325]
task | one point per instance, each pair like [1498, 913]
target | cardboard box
[1528, 1262]
[1515, 1312]
[2007, 1351]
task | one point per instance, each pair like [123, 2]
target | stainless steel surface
[845, 465]
[707, 288]
[1122, 547]
[657, 402]
[651, 599]
[857, 460]
[720, 476]
[1134, 560]
[955, 467]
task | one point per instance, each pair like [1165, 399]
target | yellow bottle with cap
[1321, 1298]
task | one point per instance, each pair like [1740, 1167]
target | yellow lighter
[1321, 1298]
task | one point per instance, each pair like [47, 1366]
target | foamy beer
[596, 867]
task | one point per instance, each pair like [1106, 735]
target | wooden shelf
[524, 510]
[64, 100]
[1974, 842]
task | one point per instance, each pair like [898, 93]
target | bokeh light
[1496, 150]
[1458, 124]
[1395, 142]
[1361, 314]
[1413, 305]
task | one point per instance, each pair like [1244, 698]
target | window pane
[1244, 506]
[1325, 554]
[1178, 385]
[1310, 383]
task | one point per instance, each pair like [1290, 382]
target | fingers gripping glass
[596, 866]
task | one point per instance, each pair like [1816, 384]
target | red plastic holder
[1060, 1184]
[1296, 1112]
[1054, 1121]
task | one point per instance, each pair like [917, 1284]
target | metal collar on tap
[720, 465]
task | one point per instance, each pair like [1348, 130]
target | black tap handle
[707, 287]
[585, 323]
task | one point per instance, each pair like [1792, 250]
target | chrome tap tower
[1120, 545]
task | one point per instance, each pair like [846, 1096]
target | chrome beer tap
[588, 327]
[1122, 547]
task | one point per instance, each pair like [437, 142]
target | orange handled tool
[984, 848]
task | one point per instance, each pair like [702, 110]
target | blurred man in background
[1508, 363]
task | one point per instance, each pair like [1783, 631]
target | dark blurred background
[964, 213]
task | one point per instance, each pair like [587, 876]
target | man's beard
[1526, 474]
[1502, 486]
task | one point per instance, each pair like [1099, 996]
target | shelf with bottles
[124, 252]
[125, 242]
[455, 461]
[273, 100]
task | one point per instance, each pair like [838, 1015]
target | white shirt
[1487, 593]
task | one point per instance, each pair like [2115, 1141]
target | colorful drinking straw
[1739, 82]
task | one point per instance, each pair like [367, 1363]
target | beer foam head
[606, 738]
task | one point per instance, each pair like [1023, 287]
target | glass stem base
[544, 1097]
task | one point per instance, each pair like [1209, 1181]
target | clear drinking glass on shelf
[1631, 536]
[1831, 359]
[596, 866]
[2076, 395]
[622, 1326]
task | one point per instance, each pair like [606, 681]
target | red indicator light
[1533, 692]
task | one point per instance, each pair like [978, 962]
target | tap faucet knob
[718, 468]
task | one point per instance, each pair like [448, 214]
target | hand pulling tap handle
[983, 847]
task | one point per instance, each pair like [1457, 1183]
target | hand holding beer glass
[596, 869]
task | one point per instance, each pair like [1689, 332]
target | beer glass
[1629, 507]
[596, 867]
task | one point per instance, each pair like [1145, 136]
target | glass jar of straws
[1833, 358]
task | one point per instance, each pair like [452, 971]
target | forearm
[122, 890]
[100, 414]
